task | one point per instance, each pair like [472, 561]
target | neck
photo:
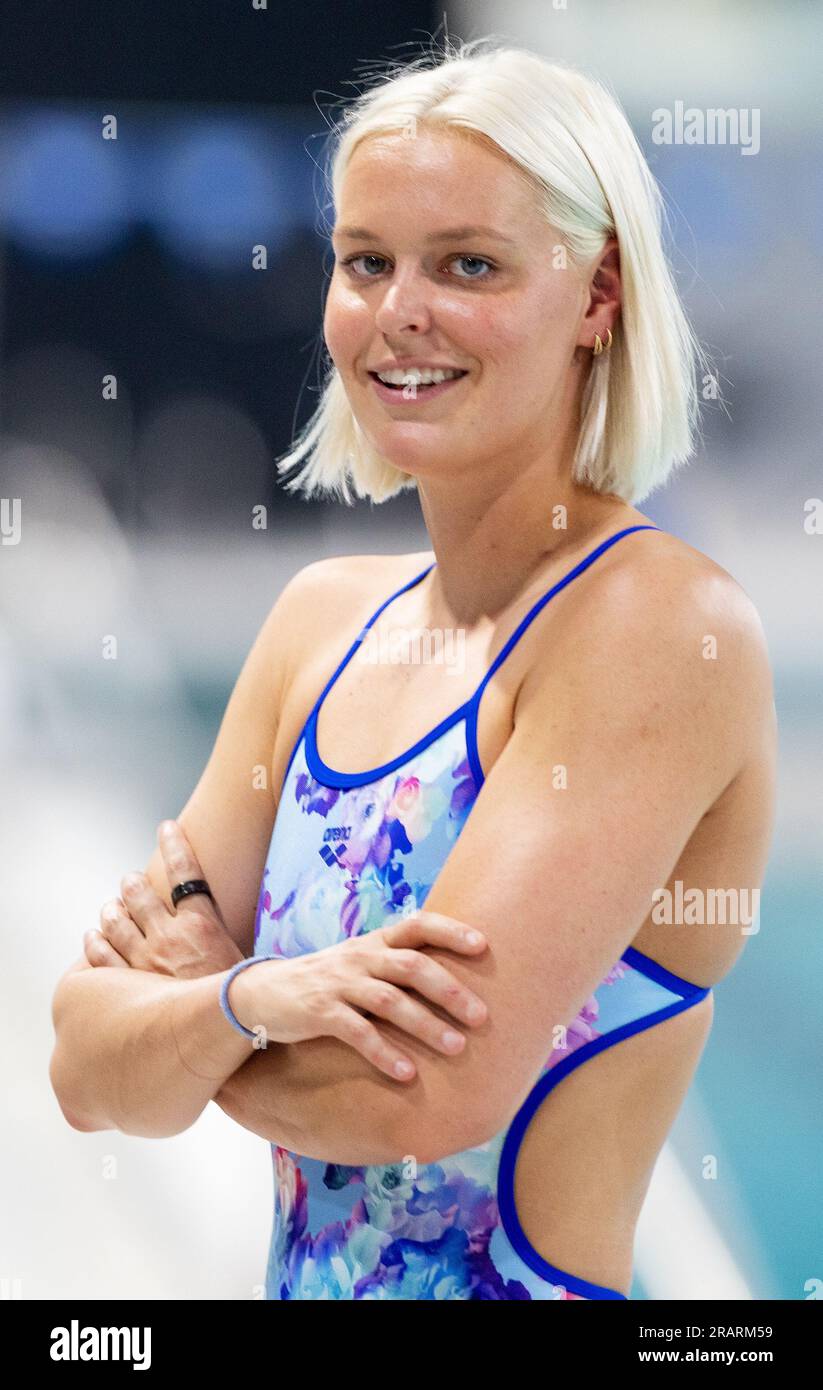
[489, 543]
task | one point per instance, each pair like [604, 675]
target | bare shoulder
[658, 587]
[330, 590]
[680, 596]
[660, 634]
[354, 569]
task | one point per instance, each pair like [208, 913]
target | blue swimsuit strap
[361, 635]
[470, 705]
[541, 602]
[519, 630]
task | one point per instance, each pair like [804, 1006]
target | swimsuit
[351, 852]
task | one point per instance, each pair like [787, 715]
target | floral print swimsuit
[351, 852]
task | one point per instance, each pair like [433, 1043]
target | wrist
[206, 1049]
[239, 999]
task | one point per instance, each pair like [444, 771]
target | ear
[604, 296]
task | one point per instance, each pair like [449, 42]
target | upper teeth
[418, 376]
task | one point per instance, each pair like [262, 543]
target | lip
[394, 395]
[416, 364]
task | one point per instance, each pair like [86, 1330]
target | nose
[404, 305]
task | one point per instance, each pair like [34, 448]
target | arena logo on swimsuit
[337, 832]
[331, 856]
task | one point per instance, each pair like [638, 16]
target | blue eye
[350, 262]
[366, 256]
[478, 260]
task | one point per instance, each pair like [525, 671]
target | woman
[505, 337]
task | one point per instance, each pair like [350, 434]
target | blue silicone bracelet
[224, 993]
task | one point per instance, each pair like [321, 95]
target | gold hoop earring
[598, 345]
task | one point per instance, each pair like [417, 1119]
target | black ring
[194, 885]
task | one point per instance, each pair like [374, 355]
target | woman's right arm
[115, 1063]
[139, 1052]
[144, 1052]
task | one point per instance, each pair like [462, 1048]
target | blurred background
[130, 258]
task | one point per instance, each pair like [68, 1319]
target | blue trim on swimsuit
[468, 710]
[546, 1084]
[322, 821]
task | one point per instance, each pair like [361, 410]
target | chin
[414, 456]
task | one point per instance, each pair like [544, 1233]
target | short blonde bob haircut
[639, 410]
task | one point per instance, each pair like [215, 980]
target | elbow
[71, 1113]
[428, 1134]
[83, 1123]
[82, 1112]
[77, 1122]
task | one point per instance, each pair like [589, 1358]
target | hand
[323, 992]
[138, 930]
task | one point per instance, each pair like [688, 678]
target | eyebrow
[450, 234]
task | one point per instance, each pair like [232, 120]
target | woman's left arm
[621, 744]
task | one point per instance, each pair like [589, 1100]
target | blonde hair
[569, 136]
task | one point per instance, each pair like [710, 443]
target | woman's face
[442, 258]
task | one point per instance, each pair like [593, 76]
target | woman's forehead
[443, 152]
[456, 184]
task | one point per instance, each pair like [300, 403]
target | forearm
[140, 1052]
[321, 1099]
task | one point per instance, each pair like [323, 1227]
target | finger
[355, 1030]
[98, 951]
[386, 1001]
[425, 928]
[142, 903]
[121, 931]
[415, 970]
[181, 863]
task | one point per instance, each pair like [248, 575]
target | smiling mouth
[413, 387]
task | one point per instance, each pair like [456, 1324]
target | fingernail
[403, 1069]
[474, 937]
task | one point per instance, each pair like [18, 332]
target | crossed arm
[618, 749]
